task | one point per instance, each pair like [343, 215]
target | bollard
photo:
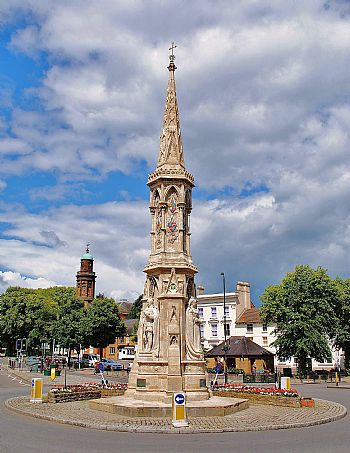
[285, 382]
[179, 410]
[36, 392]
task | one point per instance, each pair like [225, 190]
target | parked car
[30, 360]
[90, 359]
[34, 363]
[110, 364]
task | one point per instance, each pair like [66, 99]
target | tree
[25, 313]
[302, 307]
[342, 310]
[69, 329]
[136, 308]
[103, 323]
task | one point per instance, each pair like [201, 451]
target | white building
[243, 319]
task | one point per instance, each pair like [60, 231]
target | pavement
[255, 418]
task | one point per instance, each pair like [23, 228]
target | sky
[264, 95]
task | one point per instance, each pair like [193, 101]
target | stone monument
[169, 355]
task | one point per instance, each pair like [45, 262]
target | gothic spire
[171, 150]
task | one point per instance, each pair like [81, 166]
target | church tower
[86, 278]
[169, 356]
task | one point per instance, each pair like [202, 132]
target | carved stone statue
[149, 328]
[193, 337]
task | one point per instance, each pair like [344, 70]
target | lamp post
[225, 348]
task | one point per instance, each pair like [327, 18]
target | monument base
[164, 397]
[213, 407]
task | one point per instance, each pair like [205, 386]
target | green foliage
[136, 308]
[342, 310]
[103, 323]
[69, 328]
[25, 313]
[303, 308]
[56, 313]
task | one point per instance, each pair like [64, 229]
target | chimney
[200, 290]
[244, 301]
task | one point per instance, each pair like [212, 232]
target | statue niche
[172, 221]
[158, 220]
[193, 337]
[149, 328]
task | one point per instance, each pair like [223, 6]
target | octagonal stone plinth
[121, 405]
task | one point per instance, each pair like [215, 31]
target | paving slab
[255, 418]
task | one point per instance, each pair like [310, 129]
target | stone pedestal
[156, 378]
[213, 407]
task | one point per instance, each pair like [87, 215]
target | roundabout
[255, 418]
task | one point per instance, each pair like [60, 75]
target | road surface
[22, 434]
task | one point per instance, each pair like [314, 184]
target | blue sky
[263, 91]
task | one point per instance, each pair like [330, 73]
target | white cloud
[9, 278]
[264, 102]
[49, 245]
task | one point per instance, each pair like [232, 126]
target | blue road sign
[179, 398]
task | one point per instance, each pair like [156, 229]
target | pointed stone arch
[170, 191]
[156, 198]
[188, 199]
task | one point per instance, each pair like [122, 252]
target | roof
[250, 316]
[240, 347]
[129, 324]
[87, 256]
[125, 307]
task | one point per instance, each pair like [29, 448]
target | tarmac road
[22, 434]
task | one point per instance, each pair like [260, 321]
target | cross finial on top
[172, 66]
[173, 46]
[88, 247]
[172, 56]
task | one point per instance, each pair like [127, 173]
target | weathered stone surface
[255, 418]
[215, 406]
[169, 355]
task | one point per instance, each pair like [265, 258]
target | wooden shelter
[243, 354]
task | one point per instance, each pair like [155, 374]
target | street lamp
[225, 348]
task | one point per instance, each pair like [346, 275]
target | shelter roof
[240, 347]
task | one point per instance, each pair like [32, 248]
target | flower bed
[259, 395]
[61, 394]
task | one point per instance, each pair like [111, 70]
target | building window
[213, 312]
[200, 312]
[264, 327]
[214, 330]
[201, 330]
[112, 350]
[265, 341]
[282, 360]
[226, 311]
[250, 328]
[227, 329]
[328, 360]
